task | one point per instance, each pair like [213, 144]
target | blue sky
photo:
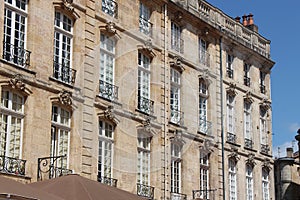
[277, 21]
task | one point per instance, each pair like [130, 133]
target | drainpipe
[222, 119]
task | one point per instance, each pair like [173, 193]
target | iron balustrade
[64, 73]
[145, 191]
[177, 117]
[146, 26]
[110, 7]
[11, 165]
[204, 194]
[177, 45]
[204, 58]
[108, 91]
[48, 168]
[263, 89]
[145, 105]
[231, 138]
[229, 73]
[108, 181]
[247, 81]
[248, 143]
[205, 126]
[16, 55]
[264, 148]
[178, 196]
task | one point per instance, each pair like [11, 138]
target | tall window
[265, 184]
[107, 62]
[110, 7]
[176, 39]
[11, 116]
[263, 127]
[143, 160]
[262, 82]
[230, 114]
[144, 21]
[203, 95]
[203, 54]
[249, 182]
[60, 135]
[204, 176]
[247, 74]
[62, 48]
[105, 153]
[232, 180]
[247, 124]
[175, 96]
[229, 65]
[14, 37]
[144, 102]
[175, 168]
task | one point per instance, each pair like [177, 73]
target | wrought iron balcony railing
[110, 7]
[64, 73]
[229, 73]
[264, 148]
[177, 45]
[178, 196]
[108, 91]
[204, 194]
[108, 181]
[247, 81]
[263, 89]
[12, 165]
[248, 143]
[16, 55]
[177, 117]
[49, 167]
[145, 191]
[145, 105]
[205, 126]
[204, 58]
[146, 27]
[231, 138]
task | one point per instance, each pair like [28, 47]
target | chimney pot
[289, 152]
[237, 19]
[250, 19]
[245, 23]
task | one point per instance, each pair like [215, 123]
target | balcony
[108, 181]
[146, 26]
[51, 167]
[16, 55]
[247, 81]
[263, 89]
[145, 105]
[178, 196]
[10, 165]
[231, 138]
[229, 73]
[205, 126]
[248, 143]
[145, 191]
[204, 58]
[177, 117]
[108, 91]
[177, 45]
[204, 194]
[264, 148]
[64, 73]
[110, 7]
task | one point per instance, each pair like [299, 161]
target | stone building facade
[166, 99]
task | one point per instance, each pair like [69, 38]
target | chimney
[245, 23]
[289, 152]
[250, 19]
[250, 23]
[237, 19]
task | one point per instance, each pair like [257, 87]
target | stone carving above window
[65, 98]
[265, 104]
[234, 154]
[231, 89]
[109, 115]
[248, 97]
[251, 160]
[147, 48]
[177, 63]
[177, 138]
[16, 82]
[267, 164]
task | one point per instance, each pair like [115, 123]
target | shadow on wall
[292, 192]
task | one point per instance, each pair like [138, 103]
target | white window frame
[106, 139]
[144, 20]
[229, 64]
[176, 168]
[263, 127]
[265, 184]
[203, 97]
[18, 40]
[247, 120]
[230, 114]
[144, 160]
[232, 178]
[60, 126]
[176, 37]
[249, 182]
[12, 109]
[204, 175]
[203, 54]
[247, 70]
[175, 79]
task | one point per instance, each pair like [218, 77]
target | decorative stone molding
[109, 115]
[178, 16]
[234, 154]
[251, 160]
[65, 98]
[265, 104]
[267, 164]
[177, 138]
[207, 146]
[110, 29]
[177, 63]
[16, 82]
[147, 48]
[68, 5]
[231, 89]
[205, 76]
[248, 97]
[145, 126]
